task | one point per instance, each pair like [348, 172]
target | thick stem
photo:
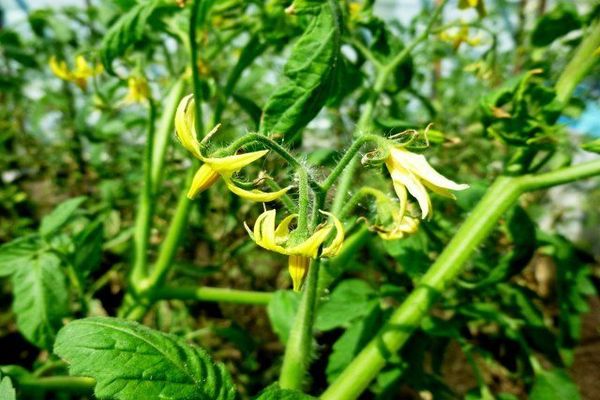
[582, 61]
[143, 221]
[407, 318]
[299, 345]
[210, 294]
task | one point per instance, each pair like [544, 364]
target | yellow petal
[204, 178]
[231, 164]
[401, 176]
[264, 232]
[298, 268]
[185, 125]
[283, 229]
[254, 195]
[310, 246]
[60, 69]
[338, 240]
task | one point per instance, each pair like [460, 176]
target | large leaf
[15, 254]
[60, 216]
[350, 300]
[128, 30]
[309, 73]
[558, 22]
[282, 309]
[554, 384]
[40, 298]
[130, 361]
[352, 342]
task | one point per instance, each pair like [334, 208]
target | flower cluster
[410, 173]
[78, 75]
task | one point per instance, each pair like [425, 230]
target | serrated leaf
[554, 384]
[15, 254]
[7, 391]
[273, 392]
[130, 361]
[350, 300]
[60, 215]
[282, 309]
[308, 74]
[88, 243]
[40, 298]
[125, 32]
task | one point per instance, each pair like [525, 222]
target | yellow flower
[215, 167]
[79, 75]
[280, 240]
[138, 89]
[391, 222]
[412, 171]
[476, 4]
[462, 36]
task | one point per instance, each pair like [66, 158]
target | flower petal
[338, 240]
[310, 246]
[231, 164]
[254, 195]
[60, 69]
[185, 125]
[418, 165]
[415, 188]
[283, 229]
[204, 178]
[298, 268]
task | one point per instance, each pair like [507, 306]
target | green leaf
[309, 74]
[60, 215]
[130, 361]
[7, 391]
[558, 22]
[128, 30]
[40, 298]
[15, 254]
[554, 384]
[273, 392]
[88, 243]
[350, 300]
[282, 309]
[351, 342]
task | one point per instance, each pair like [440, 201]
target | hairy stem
[298, 347]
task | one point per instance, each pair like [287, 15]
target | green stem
[143, 222]
[582, 61]
[406, 319]
[164, 132]
[210, 294]
[194, 65]
[299, 345]
[303, 203]
[70, 384]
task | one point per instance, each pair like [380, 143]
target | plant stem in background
[582, 61]
[213, 295]
[299, 345]
[407, 318]
[165, 132]
[143, 222]
[70, 384]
